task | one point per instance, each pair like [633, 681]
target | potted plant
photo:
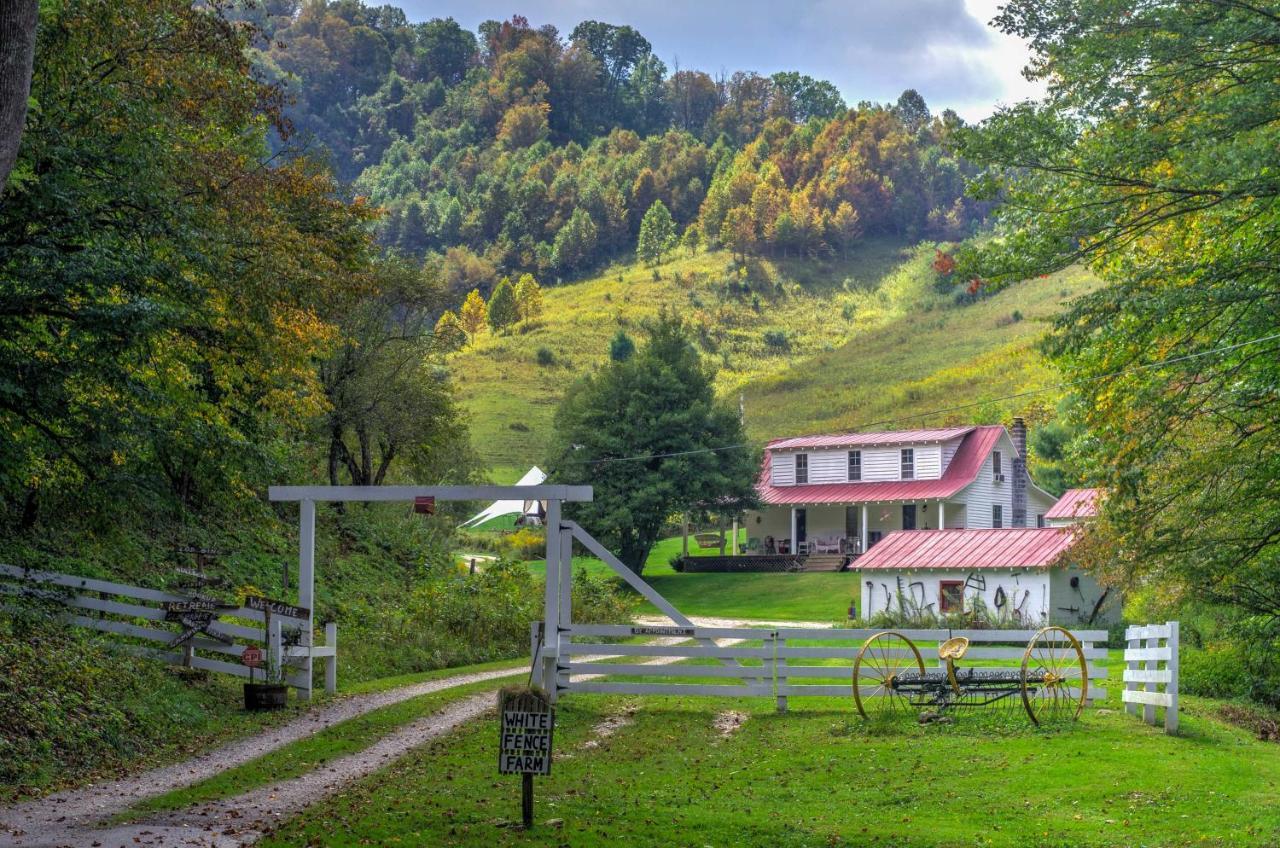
[265, 695]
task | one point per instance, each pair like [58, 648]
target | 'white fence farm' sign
[527, 724]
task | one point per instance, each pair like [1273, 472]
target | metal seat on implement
[954, 648]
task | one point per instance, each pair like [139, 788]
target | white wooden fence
[127, 612]
[781, 671]
[1143, 675]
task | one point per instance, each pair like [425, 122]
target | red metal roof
[962, 471]
[969, 549]
[895, 437]
[1075, 503]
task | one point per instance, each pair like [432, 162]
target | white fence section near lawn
[1143, 675]
[777, 668]
[129, 611]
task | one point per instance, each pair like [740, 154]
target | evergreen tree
[656, 403]
[657, 233]
[474, 313]
[528, 297]
[621, 347]
[503, 309]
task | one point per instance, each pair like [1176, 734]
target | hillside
[809, 345]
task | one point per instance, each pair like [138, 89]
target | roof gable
[1075, 503]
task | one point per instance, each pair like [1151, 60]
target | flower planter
[265, 696]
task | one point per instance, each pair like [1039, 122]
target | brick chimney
[1018, 433]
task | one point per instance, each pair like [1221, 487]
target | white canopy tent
[533, 477]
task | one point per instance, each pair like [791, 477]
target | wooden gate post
[1171, 688]
[307, 585]
[551, 595]
[780, 673]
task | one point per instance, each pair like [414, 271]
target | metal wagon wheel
[880, 660]
[1052, 666]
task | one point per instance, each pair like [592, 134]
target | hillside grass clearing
[806, 305]
[820, 776]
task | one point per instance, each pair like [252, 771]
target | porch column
[864, 528]
[792, 546]
[942, 514]
[735, 536]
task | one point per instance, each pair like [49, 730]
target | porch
[843, 529]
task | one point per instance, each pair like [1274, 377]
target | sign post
[526, 723]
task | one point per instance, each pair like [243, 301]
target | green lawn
[788, 597]
[817, 776]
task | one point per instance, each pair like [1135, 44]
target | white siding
[828, 466]
[928, 462]
[1027, 591]
[1072, 605]
[878, 464]
[1038, 503]
[782, 470]
[979, 496]
[948, 452]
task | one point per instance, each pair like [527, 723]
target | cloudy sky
[871, 49]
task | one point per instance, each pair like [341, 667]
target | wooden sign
[267, 605]
[526, 723]
[424, 505]
[251, 656]
[174, 610]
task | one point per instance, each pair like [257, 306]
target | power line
[961, 407]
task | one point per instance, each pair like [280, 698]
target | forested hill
[519, 148]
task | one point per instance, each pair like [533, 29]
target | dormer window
[802, 469]
[855, 466]
[908, 464]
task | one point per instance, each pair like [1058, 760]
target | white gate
[1143, 675]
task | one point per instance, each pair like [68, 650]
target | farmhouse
[1021, 575]
[841, 494]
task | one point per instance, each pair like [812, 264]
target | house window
[951, 596]
[908, 463]
[855, 466]
[997, 515]
[995, 464]
[1040, 519]
[802, 469]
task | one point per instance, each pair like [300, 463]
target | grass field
[817, 776]
[512, 398]
[866, 339]
[823, 596]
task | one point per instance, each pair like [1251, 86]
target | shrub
[777, 340]
[546, 357]
[1214, 672]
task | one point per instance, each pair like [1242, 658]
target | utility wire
[960, 407]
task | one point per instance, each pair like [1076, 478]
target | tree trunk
[18, 37]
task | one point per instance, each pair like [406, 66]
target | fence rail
[131, 618]
[778, 668]
[1143, 675]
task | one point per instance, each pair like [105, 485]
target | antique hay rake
[1051, 682]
